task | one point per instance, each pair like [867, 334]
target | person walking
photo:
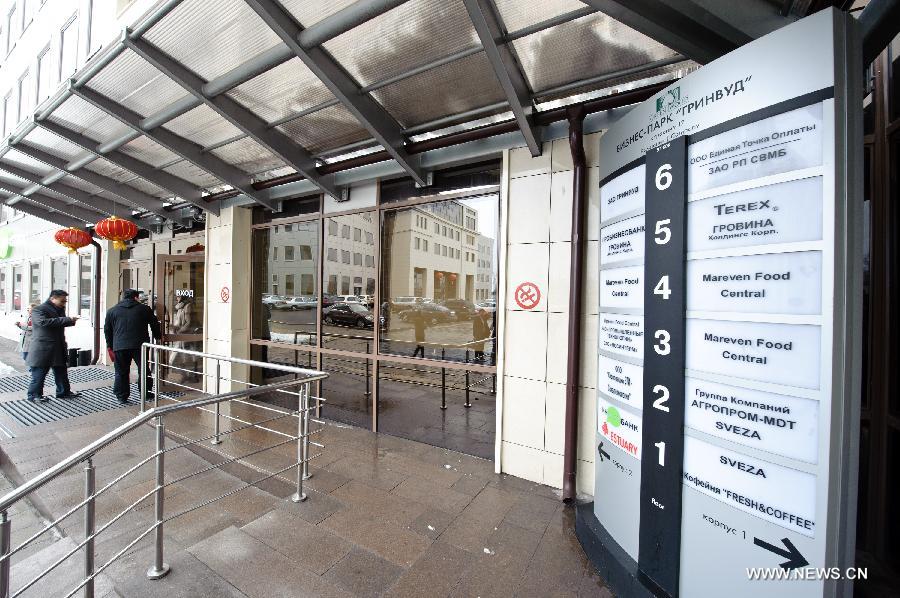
[26, 332]
[418, 318]
[125, 329]
[481, 331]
[48, 347]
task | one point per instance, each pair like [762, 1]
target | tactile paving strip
[76, 376]
[92, 400]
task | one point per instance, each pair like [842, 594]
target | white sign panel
[621, 381]
[786, 426]
[787, 354]
[781, 143]
[620, 427]
[780, 213]
[622, 287]
[780, 495]
[623, 240]
[774, 283]
[622, 194]
[621, 334]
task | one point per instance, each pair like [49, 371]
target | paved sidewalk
[385, 517]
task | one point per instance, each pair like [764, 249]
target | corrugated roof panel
[211, 38]
[190, 172]
[147, 150]
[149, 188]
[5, 177]
[133, 82]
[73, 181]
[518, 14]
[413, 34]
[203, 126]
[249, 156]
[82, 117]
[621, 83]
[589, 46]
[325, 129]
[50, 143]
[26, 163]
[288, 88]
[310, 13]
[456, 87]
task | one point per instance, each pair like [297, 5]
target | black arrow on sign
[795, 559]
[602, 452]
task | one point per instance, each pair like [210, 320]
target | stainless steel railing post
[302, 408]
[159, 568]
[217, 440]
[89, 527]
[5, 547]
[306, 410]
[143, 381]
[157, 367]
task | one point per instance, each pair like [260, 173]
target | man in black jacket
[125, 329]
[48, 347]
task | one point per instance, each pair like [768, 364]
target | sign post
[730, 273]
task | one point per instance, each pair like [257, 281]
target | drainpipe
[98, 253]
[575, 116]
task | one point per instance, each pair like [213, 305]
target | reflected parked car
[489, 305]
[347, 299]
[301, 302]
[275, 301]
[464, 310]
[432, 312]
[328, 300]
[348, 314]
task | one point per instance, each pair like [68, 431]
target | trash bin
[73, 357]
[84, 357]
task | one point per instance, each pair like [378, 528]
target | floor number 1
[662, 452]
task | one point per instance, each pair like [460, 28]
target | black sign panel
[659, 550]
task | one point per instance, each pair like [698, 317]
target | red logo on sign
[528, 295]
[225, 294]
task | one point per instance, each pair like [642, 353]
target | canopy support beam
[487, 24]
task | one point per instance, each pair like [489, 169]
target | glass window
[59, 273]
[306, 252]
[370, 238]
[85, 282]
[425, 245]
[25, 92]
[34, 295]
[8, 116]
[44, 75]
[332, 228]
[332, 254]
[431, 309]
[68, 48]
[349, 330]
[285, 314]
[288, 251]
[17, 287]
[275, 251]
[28, 8]
[11, 29]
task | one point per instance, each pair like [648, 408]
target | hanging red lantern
[117, 230]
[452, 277]
[72, 238]
[439, 275]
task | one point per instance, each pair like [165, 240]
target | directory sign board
[727, 363]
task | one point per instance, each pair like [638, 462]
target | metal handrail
[303, 413]
[68, 463]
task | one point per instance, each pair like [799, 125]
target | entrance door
[179, 306]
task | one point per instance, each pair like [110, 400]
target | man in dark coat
[48, 347]
[481, 331]
[125, 329]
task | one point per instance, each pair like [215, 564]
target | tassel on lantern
[117, 230]
[72, 238]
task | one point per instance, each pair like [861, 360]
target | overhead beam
[879, 23]
[130, 194]
[101, 204]
[171, 183]
[255, 127]
[86, 213]
[44, 214]
[367, 111]
[506, 69]
[682, 25]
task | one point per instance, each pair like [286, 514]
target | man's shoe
[121, 400]
[69, 395]
[38, 399]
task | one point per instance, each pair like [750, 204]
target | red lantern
[117, 230]
[452, 277]
[73, 238]
[439, 275]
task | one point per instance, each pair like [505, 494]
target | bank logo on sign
[669, 100]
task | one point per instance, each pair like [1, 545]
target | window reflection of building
[291, 264]
[350, 255]
[485, 287]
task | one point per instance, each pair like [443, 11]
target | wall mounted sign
[728, 330]
[527, 295]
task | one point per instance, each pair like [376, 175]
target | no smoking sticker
[225, 294]
[528, 295]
